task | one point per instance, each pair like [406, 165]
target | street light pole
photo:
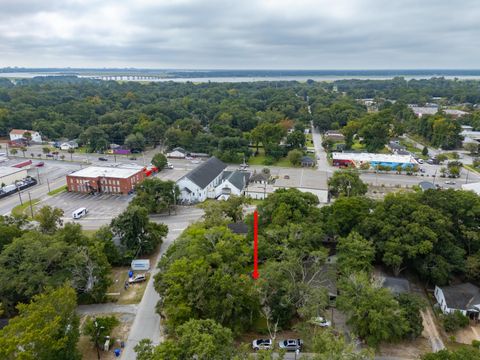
[31, 207]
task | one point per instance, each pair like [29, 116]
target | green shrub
[454, 321]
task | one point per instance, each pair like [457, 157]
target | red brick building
[105, 180]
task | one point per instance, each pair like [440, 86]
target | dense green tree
[196, 339]
[346, 183]
[159, 160]
[45, 329]
[403, 229]
[135, 142]
[345, 214]
[355, 253]
[205, 274]
[295, 156]
[373, 312]
[95, 138]
[49, 219]
[156, 195]
[138, 235]
[99, 327]
[412, 305]
[296, 140]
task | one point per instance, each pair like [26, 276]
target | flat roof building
[374, 160]
[9, 175]
[96, 179]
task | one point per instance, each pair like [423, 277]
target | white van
[77, 214]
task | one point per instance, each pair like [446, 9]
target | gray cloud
[314, 34]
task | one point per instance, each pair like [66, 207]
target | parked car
[40, 164]
[102, 159]
[132, 158]
[137, 279]
[420, 161]
[450, 182]
[188, 158]
[320, 321]
[291, 344]
[169, 166]
[49, 155]
[195, 161]
[262, 344]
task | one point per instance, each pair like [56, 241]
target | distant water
[222, 76]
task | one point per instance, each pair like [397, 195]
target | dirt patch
[87, 348]
[411, 349]
[468, 334]
[117, 292]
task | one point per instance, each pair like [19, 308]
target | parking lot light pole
[31, 207]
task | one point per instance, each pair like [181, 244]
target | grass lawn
[309, 142]
[471, 168]
[260, 160]
[58, 191]
[25, 208]
[357, 145]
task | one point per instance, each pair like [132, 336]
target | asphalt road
[147, 322]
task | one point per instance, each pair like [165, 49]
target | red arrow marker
[255, 274]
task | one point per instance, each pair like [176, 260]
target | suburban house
[177, 153]
[239, 228]
[68, 145]
[307, 161]
[334, 135]
[201, 183]
[17, 134]
[396, 285]
[233, 183]
[462, 297]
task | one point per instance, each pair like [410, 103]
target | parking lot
[100, 207]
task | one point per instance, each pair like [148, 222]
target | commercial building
[17, 134]
[95, 179]
[373, 160]
[9, 175]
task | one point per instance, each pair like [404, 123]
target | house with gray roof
[201, 183]
[461, 297]
[233, 183]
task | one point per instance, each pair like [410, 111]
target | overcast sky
[241, 34]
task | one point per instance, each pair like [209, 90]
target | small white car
[291, 344]
[137, 278]
[261, 344]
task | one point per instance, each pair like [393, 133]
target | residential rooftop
[384, 158]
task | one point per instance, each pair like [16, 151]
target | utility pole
[20, 196]
[48, 184]
[38, 177]
[31, 207]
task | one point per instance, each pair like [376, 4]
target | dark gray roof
[396, 285]
[461, 296]
[238, 228]
[237, 178]
[307, 159]
[206, 172]
[258, 177]
[426, 185]
[395, 146]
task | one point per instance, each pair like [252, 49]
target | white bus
[77, 214]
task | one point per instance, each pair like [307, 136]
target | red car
[40, 164]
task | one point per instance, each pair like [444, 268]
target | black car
[102, 159]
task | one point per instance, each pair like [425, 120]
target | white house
[201, 183]
[68, 145]
[233, 183]
[462, 297]
[177, 153]
[17, 134]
